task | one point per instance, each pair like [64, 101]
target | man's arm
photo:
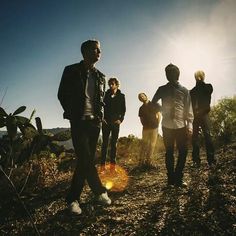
[158, 117]
[123, 108]
[141, 120]
[156, 98]
[64, 90]
[189, 113]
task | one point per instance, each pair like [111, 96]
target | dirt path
[206, 207]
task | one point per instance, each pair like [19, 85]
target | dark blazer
[201, 98]
[115, 107]
[71, 93]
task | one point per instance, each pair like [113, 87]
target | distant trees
[223, 119]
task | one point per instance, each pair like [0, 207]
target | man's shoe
[75, 208]
[104, 199]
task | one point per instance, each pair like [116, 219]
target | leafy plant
[223, 119]
[12, 143]
[45, 141]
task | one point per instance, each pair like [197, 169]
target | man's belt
[88, 117]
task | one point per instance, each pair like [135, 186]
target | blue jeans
[170, 136]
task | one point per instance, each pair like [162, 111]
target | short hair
[172, 72]
[85, 46]
[115, 80]
[140, 94]
[199, 74]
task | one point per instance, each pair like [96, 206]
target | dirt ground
[207, 206]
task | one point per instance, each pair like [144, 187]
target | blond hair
[199, 75]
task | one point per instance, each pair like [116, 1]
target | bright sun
[191, 53]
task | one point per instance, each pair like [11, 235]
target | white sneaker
[104, 199]
[75, 208]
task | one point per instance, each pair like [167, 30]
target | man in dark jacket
[114, 112]
[176, 123]
[201, 99]
[81, 93]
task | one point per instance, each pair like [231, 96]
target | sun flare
[192, 50]
[114, 180]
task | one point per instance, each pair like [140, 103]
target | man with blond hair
[150, 118]
[201, 99]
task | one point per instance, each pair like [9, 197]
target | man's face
[142, 97]
[94, 53]
[113, 86]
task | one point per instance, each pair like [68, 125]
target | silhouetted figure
[201, 100]
[81, 94]
[150, 117]
[176, 123]
[114, 112]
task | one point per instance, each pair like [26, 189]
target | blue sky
[138, 39]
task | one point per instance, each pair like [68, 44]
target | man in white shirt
[176, 124]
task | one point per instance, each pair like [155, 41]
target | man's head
[199, 75]
[142, 97]
[172, 73]
[91, 51]
[113, 83]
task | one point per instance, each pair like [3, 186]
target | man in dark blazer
[201, 99]
[81, 94]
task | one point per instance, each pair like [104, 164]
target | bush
[223, 119]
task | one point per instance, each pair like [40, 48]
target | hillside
[145, 207]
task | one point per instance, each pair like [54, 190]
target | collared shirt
[176, 106]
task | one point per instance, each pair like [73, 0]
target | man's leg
[195, 143]
[78, 179]
[84, 138]
[105, 140]
[153, 140]
[168, 138]
[181, 142]
[208, 140]
[143, 147]
[91, 172]
[114, 136]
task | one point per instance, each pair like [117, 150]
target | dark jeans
[108, 129]
[84, 137]
[204, 124]
[170, 136]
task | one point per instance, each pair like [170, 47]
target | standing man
[150, 117]
[176, 124]
[81, 93]
[201, 100]
[114, 112]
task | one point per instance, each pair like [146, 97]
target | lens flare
[109, 185]
[114, 178]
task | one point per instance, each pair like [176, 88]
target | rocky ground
[207, 206]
